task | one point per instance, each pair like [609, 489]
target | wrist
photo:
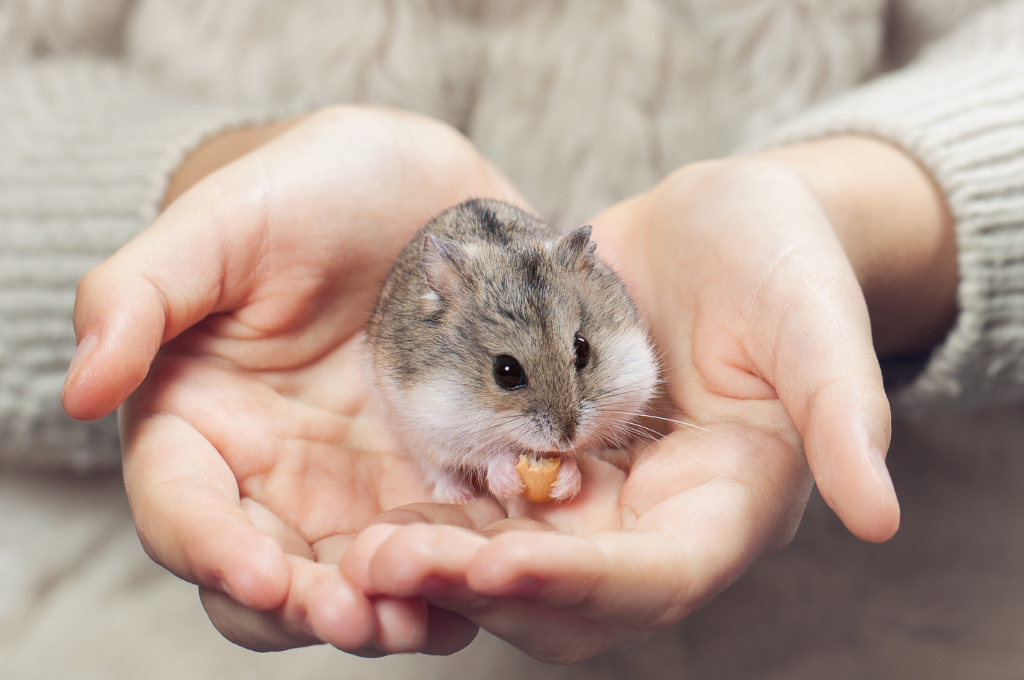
[895, 227]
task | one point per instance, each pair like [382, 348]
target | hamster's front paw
[503, 480]
[450, 487]
[569, 480]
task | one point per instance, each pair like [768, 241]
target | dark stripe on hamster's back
[490, 225]
[532, 276]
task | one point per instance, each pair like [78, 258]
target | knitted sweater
[580, 102]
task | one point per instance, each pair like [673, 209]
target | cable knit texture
[581, 102]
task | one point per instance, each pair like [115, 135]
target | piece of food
[539, 475]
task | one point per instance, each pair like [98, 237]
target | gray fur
[485, 279]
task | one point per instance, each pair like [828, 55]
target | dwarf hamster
[495, 336]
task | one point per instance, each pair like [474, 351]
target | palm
[765, 345]
[295, 436]
[707, 499]
[253, 432]
[304, 442]
[273, 378]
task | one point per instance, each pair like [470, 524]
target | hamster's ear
[444, 266]
[575, 250]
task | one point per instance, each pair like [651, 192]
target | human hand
[251, 453]
[745, 271]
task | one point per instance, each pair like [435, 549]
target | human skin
[767, 332]
[252, 427]
[255, 465]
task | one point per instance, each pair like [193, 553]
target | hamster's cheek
[442, 404]
[627, 373]
[451, 426]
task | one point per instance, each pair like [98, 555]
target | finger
[260, 631]
[846, 437]
[321, 607]
[448, 632]
[827, 377]
[358, 556]
[789, 320]
[251, 223]
[324, 603]
[546, 634]
[680, 554]
[162, 282]
[412, 560]
[476, 514]
[402, 624]
[431, 562]
[321, 602]
[188, 514]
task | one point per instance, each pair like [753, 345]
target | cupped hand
[252, 454]
[769, 376]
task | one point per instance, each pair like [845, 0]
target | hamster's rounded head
[509, 338]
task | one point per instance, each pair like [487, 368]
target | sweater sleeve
[87, 147]
[959, 109]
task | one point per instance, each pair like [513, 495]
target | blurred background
[581, 103]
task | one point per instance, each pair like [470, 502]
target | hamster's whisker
[635, 432]
[614, 440]
[624, 391]
[638, 386]
[661, 439]
[683, 423]
[643, 432]
[650, 412]
[496, 436]
[631, 428]
[480, 440]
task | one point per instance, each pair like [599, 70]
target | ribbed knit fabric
[86, 150]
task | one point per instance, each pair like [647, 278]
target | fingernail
[878, 461]
[312, 632]
[85, 348]
[223, 587]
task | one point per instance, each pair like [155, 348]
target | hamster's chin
[542, 446]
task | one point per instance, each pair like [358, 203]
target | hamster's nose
[567, 430]
[561, 419]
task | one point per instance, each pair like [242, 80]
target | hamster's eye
[508, 373]
[582, 348]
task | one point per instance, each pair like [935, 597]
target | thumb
[846, 435]
[165, 280]
[828, 379]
